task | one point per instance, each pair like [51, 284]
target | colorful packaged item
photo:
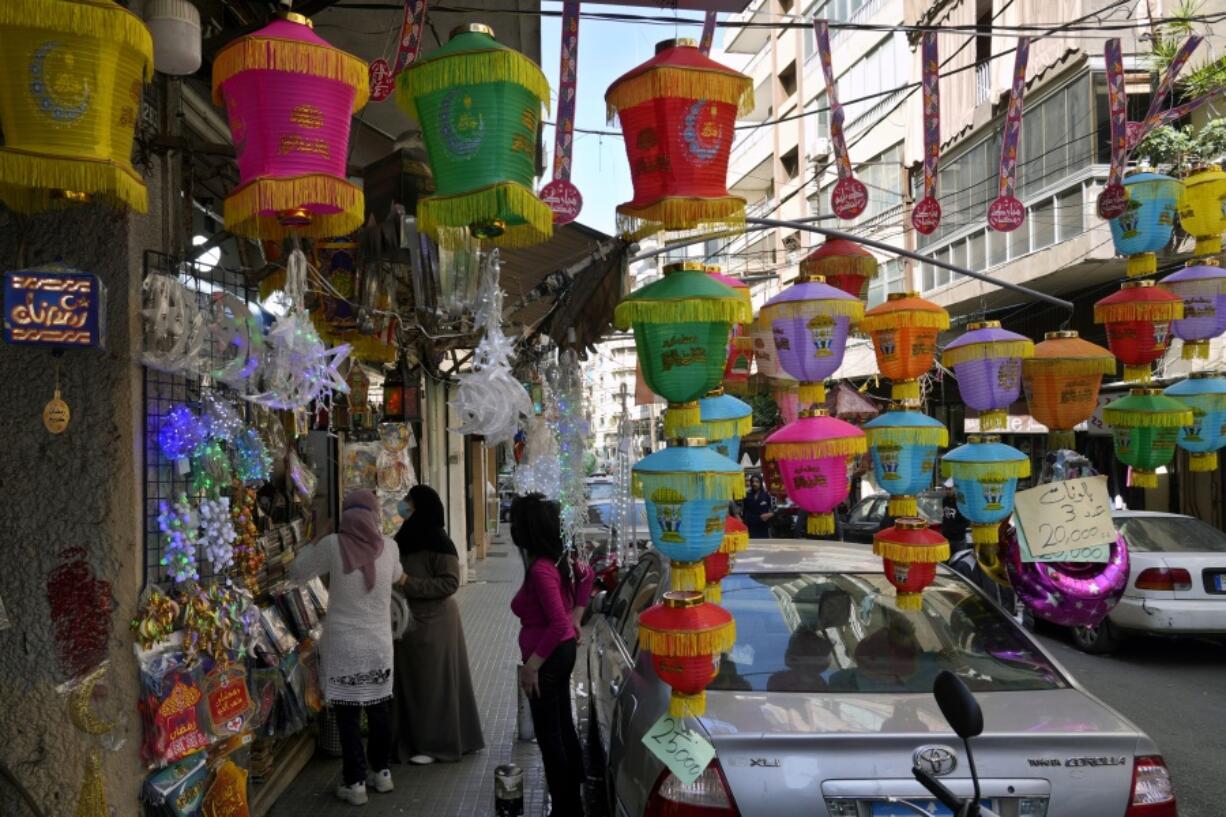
[177, 790]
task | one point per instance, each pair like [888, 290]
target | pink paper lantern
[813, 454]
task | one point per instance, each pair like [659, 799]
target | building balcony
[750, 39]
[983, 83]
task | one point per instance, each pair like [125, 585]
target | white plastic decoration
[235, 341]
[217, 534]
[220, 417]
[540, 470]
[173, 326]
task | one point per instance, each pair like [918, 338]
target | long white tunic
[355, 651]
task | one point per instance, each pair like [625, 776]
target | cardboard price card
[684, 752]
[1068, 521]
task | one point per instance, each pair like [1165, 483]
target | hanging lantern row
[686, 635]
[985, 472]
[904, 447]
[904, 331]
[1205, 394]
[1202, 288]
[911, 550]
[813, 455]
[987, 362]
[1148, 220]
[1202, 209]
[1062, 380]
[1138, 320]
[843, 264]
[1146, 425]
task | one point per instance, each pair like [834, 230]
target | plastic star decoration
[299, 368]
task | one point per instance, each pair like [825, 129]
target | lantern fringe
[681, 213]
[475, 206]
[985, 534]
[692, 485]
[1068, 366]
[681, 83]
[714, 593]
[244, 208]
[909, 602]
[820, 524]
[469, 68]
[1060, 438]
[292, 57]
[680, 419]
[812, 393]
[1147, 419]
[1143, 263]
[905, 319]
[905, 390]
[27, 179]
[1203, 463]
[687, 575]
[1207, 245]
[737, 541]
[833, 307]
[690, 643]
[1138, 374]
[993, 419]
[864, 266]
[681, 705]
[900, 506]
[907, 436]
[95, 21]
[911, 554]
[686, 310]
[1139, 311]
[986, 471]
[722, 429]
[1144, 479]
[817, 449]
[991, 350]
[1195, 350]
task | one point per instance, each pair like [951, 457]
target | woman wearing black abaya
[436, 710]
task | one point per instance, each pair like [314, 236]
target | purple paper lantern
[1202, 287]
[987, 362]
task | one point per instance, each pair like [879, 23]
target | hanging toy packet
[170, 708]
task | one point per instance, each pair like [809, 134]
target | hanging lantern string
[296, 267]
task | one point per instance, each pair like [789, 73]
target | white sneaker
[421, 760]
[381, 781]
[354, 795]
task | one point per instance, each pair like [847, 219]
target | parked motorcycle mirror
[958, 705]
[600, 601]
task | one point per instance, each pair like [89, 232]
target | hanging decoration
[1062, 380]
[686, 635]
[540, 471]
[1006, 213]
[252, 462]
[1113, 201]
[911, 551]
[926, 215]
[849, 198]
[177, 523]
[987, 362]
[985, 472]
[904, 331]
[211, 469]
[180, 434]
[717, 566]
[217, 534]
[54, 306]
[290, 97]
[1146, 426]
[562, 197]
[843, 265]
[1138, 320]
[783, 387]
[903, 445]
[479, 105]
[234, 340]
[740, 346]
[1202, 209]
[736, 536]
[1202, 288]
[175, 28]
[173, 326]
[1205, 394]
[678, 115]
[70, 98]
[810, 321]
[1158, 109]
[248, 555]
[382, 75]
[572, 432]
[1148, 219]
[708, 33]
[813, 455]
[723, 421]
[219, 417]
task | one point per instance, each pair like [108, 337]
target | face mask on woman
[404, 510]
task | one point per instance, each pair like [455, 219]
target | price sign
[1067, 521]
[684, 752]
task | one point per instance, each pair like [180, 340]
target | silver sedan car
[825, 703]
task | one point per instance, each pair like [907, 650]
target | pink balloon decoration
[1066, 593]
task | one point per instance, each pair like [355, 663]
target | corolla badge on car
[936, 760]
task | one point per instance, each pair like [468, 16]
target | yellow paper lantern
[71, 74]
[1202, 208]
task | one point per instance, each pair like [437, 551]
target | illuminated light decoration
[1061, 382]
[248, 555]
[1147, 221]
[904, 331]
[985, 473]
[54, 306]
[1202, 288]
[479, 106]
[681, 325]
[686, 489]
[686, 635]
[298, 367]
[252, 462]
[813, 455]
[1138, 320]
[740, 346]
[903, 446]
[220, 418]
[717, 567]
[810, 321]
[723, 421]
[1205, 394]
[70, 98]
[843, 264]
[678, 115]
[1202, 208]
[217, 534]
[211, 469]
[987, 362]
[234, 341]
[177, 523]
[736, 536]
[911, 551]
[1146, 426]
[290, 97]
[180, 434]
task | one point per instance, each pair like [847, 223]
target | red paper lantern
[736, 536]
[718, 565]
[1138, 320]
[740, 344]
[844, 264]
[911, 551]
[686, 636]
[678, 116]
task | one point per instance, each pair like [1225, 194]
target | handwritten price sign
[684, 752]
[1068, 521]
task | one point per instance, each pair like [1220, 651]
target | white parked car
[1177, 581]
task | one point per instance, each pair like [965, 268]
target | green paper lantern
[479, 106]
[1145, 425]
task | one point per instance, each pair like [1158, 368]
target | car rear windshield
[820, 632]
[1170, 534]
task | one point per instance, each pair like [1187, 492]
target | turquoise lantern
[1146, 224]
[903, 445]
[985, 473]
[724, 420]
[1205, 394]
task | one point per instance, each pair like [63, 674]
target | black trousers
[379, 733]
[555, 733]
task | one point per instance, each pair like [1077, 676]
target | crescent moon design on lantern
[702, 150]
[458, 144]
[50, 92]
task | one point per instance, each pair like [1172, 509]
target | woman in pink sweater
[549, 605]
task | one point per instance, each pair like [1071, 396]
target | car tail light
[1153, 794]
[708, 796]
[1164, 578]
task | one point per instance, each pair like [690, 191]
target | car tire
[598, 771]
[1100, 640]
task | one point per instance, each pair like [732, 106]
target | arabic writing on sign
[684, 752]
[1070, 519]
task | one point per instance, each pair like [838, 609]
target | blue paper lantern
[903, 445]
[1205, 394]
[985, 473]
[1145, 226]
[724, 420]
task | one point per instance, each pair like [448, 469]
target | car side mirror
[600, 601]
[958, 705]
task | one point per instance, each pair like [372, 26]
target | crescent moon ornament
[80, 705]
[463, 139]
[60, 93]
[703, 150]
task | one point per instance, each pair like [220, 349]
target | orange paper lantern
[904, 330]
[1062, 382]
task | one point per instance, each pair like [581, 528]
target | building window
[787, 80]
[1019, 240]
[883, 68]
[1043, 224]
[791, 163]
[1071, 209]
[976, 252]
[998, 248]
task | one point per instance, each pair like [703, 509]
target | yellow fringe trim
[680, 419]
[485, 204]
[1207, 245]
[905, 390]
[1195, 350]
[1069, 366]
[820, 524]
[903, 506]
[985, 534]
[734, 542]
[818, 449]
[837, 308]
[904, 319]
[991, 350]
[910, 554]
[680, 83]
[681, 705]
[495, 65]
[28, 179]
[244, 205]
[988, 557]
[909, 602]
[1147, 419]
[292, 57]
[714, 593]
[986, 471]
[718, 429]
[1144, 479]
[83, 18]
[688, 644]
[993, 419]
[907, 435]
[1143, 263]
[1061, 438]
[1138, 374]
[676, 213]
[1203, 463]
[702, 485]
[687, 575]
[687, 310]
[1155, 311]
[863, 265]
[812, 394]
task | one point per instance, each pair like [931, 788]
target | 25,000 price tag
[684, 752]
[1068, 517]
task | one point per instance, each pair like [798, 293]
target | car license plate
[1220, 581]
[883, 808]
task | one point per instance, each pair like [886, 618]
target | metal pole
[879, 245]
[749, 228]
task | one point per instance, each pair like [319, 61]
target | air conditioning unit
[819, 149]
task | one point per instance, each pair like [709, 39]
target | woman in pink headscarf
[356, 648]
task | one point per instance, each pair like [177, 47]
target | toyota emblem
[938, 761]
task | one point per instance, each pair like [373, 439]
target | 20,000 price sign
[1067, 521]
